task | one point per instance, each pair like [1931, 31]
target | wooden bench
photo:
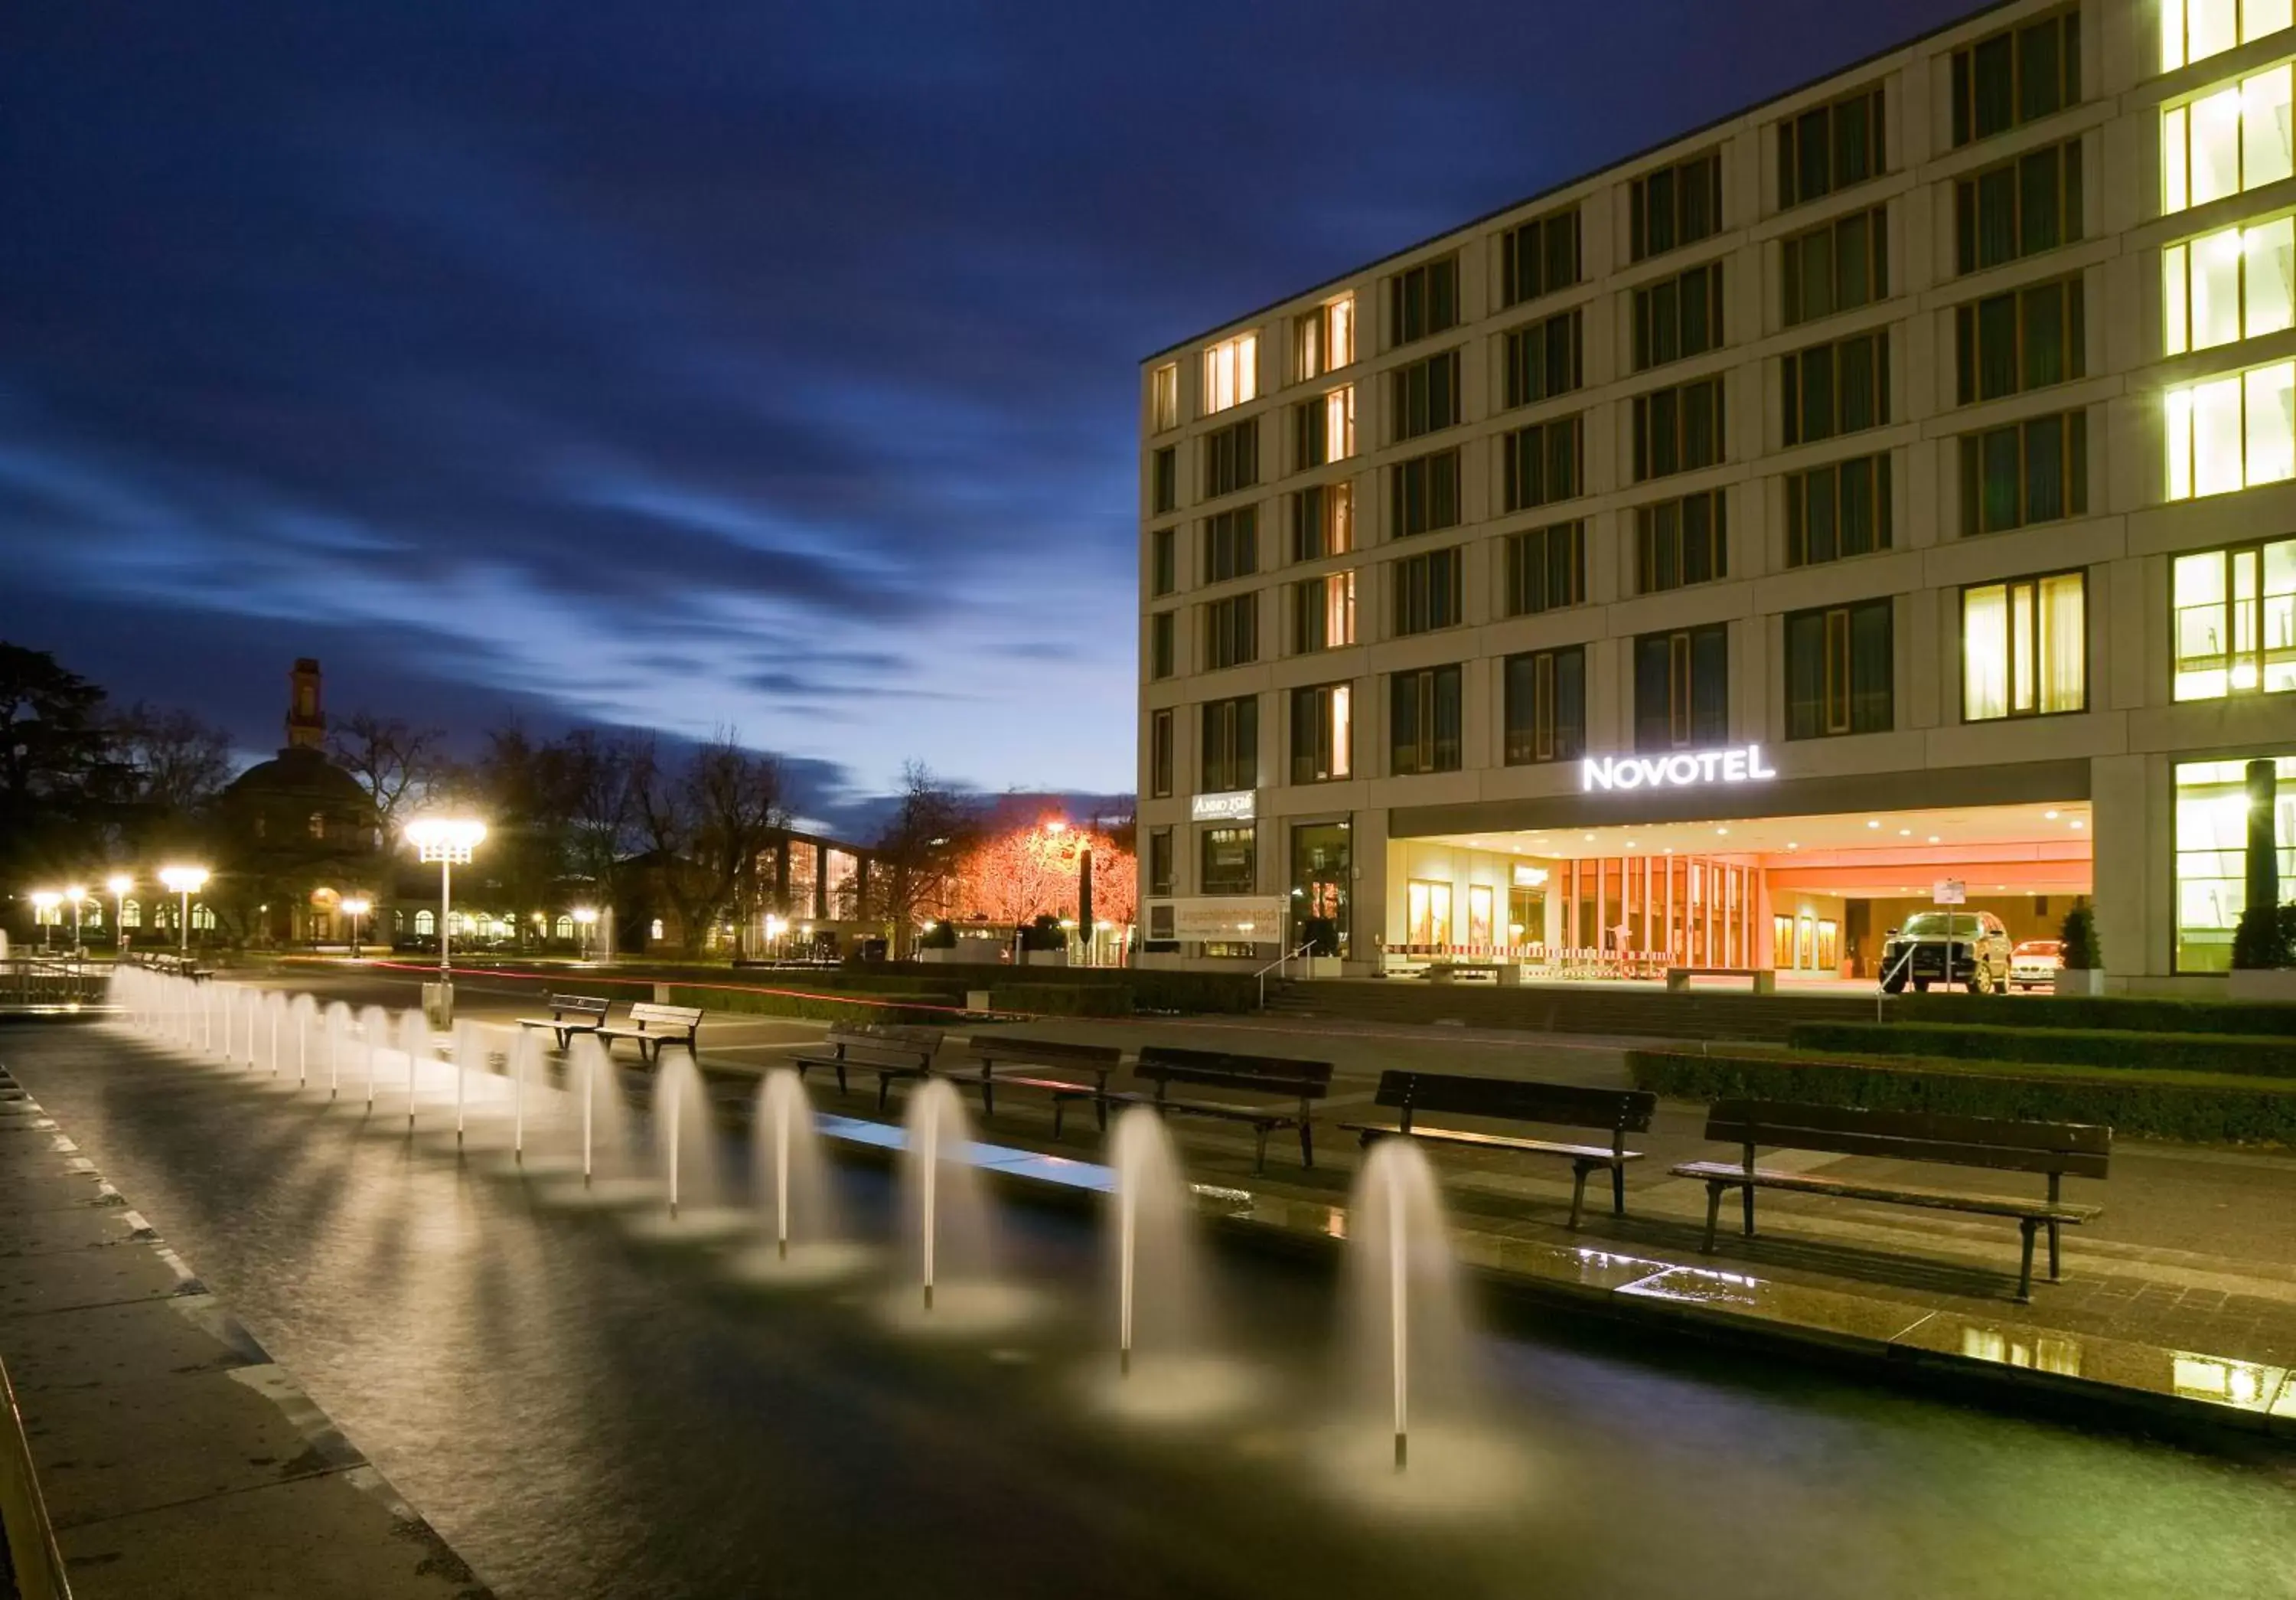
[2057, 1150]
[655, 1026]
[571, 1014]
[889, 1050]
[1453, 971]
[1764, 980]
[1034, 1057]
[1301, 1083]
[1622, 1111]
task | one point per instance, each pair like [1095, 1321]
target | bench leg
[1059, 1106]
[884, 1087]
[1578, 1192]
[1259, 1156]
[1618, 1190]
[841, 1080]
[2054, 1274]
[988, 1098]
[1099, 1110]
[1306, 1142]
[1713, 1212]
[1748, 1191]
[2027, 1228]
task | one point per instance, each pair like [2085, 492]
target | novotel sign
[1691, 769]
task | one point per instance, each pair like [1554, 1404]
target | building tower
[307, 724]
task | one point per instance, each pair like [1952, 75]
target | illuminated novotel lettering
[1690, 768]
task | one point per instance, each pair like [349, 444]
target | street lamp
[44, 902]
[78, 895]
[355, 907]
[445, 839]
[118, 883]
[185, 882]
[586, 917]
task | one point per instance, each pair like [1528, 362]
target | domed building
[296, 834]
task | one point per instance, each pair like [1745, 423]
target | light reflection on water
[582, 1413]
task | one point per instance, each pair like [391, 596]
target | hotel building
[1886, 492]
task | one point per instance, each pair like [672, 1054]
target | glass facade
[1322, 863]
[2213, 815]
[2235, 621]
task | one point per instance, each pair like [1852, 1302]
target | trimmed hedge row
[929, 1008]
[2134, 1013]
[1063, 999]
[2065, 1047]
[2199, 1107]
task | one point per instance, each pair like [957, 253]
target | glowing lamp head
[449, 839]
[76, 893]
[184, 880]
[358, 905]
[119, 883]
[585, 915]
[44, 900]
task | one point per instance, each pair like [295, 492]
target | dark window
[1424, 396]
[1677, 205]
[1160, 644]
[1424, 721]
[1543, 359]
[1543, 462]
[2019, 209]
[1838, 671]
[1230, 745]
[1539, 256]
[1830, 148]
[1428, 591]
[1425, 494]
[1232, 458]
[1231, 544]
[1159, 861]
[1682, 542]
[1324, 612]
[1323, 733]
[1229, 860]
[1323, 520]
[1164, 493]
[2016, 75]
[1682, 688]
[1546, 706]
[1323, 430]
[2028, 339]
[1546, 569]
[1162, 563]
[1678, 317]
[1424, 300]
[1678, 430]
[1231, 632]
[1839, 510]
[1160, 754]
[1838, 268]
[1838, 388]
[2030, 471]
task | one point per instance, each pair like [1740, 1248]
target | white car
[2035, 964]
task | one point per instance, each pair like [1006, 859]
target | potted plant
[2083, 971]
[2264, 954]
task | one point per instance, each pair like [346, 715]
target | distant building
[296, 834]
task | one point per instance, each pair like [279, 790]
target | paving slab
[125, 1342]
[60, 1281]
[71, 1228]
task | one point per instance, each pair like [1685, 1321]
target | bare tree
[175, 763]
[707, 822]
[916, 854]
[397, 764]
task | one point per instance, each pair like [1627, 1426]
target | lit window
[1164, 395]
[425, 924]
[2211, 829]
[1232, 372]
[2192, 31]
[655, 931]
[1323, 613]
[1323, 733]
[2239, 284]
[2235, 621]
[2024, 648]
[1339, 423]
[131, 913]
[2237, 137]
[563, 928]
[1428, 908]
[1326, 337]
[2233, 432]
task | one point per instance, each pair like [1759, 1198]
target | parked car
[2035, 964]
[1968, 948]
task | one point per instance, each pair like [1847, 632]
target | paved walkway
[176, 1457]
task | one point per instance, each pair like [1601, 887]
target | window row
[2192, 31]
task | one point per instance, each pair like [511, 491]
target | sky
[753, 367]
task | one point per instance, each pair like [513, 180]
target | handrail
[1882, 986]
[40, 1564]
[1284, 961]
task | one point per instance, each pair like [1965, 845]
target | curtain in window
[1806, 675]
[1820, 540]
[1570, 704]
[1653, 659]
[1984, 654]
[2044, 335]
[1996, 346]
[1996, 217]
[2045, 469]
[1710, 685]
[1871, 668]
[2038, 206]
[2064, 643]
[1853, 282]
[1449, 751]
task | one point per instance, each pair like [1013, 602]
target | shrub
[2115, 1048]
[1045, 933]
[2259, 942]
[2078, 935]
[2140, 1014]
[932, 1009]
[940, 936]
[1063, 999]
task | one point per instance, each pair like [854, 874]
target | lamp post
[586, 917]
[78, 895]
[184, 881]
[44, 902]
[355, 907]
[118, 883]
[445, 839]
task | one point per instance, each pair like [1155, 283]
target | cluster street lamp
[445, 839]
[586, 917]
[78, 895]
[355, 907]
[44, 902]
[184, 881]
[118, 883]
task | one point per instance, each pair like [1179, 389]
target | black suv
[1968, 948]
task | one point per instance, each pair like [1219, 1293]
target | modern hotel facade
[1883, 495]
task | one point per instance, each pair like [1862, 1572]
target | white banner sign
[1254, 917]
[1949, 892]
[1240, 805]
[1691, 770]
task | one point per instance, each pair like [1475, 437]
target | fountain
[470, 1056]
[304, 1009]
[275, 1013]
[945, 1210]
[1155, 1242]
[414, 1044]
[374, 1035]
[525, 1056]
[340, 1028]
[685, 1146]
[791, 1186]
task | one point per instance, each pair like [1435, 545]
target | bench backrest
[873, 1041]
[1557, 1104]
[1042, 1053]
[646, 1014]
[2074, 1149]
[581, 1005]
[1161, 1065]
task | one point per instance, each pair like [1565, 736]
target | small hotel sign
[1691, 770]
[1240, 805]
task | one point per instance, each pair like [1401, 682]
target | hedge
[1063, 999]
[2199, 1107]
[2066, 1046]
[931, 1008]
[2136, 1013]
